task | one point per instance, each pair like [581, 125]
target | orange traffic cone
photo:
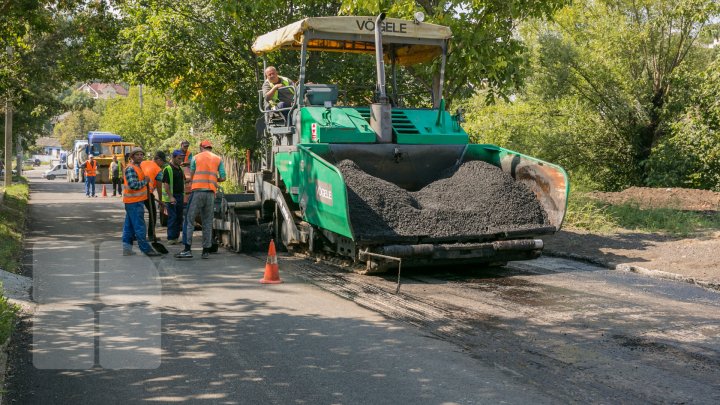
[104, 194]
[272, 274]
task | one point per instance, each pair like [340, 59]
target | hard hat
[135, 150]
[90, 155]
[178, 152]
[205, 144]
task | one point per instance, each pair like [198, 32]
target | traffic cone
[104, 194]
[272, 274]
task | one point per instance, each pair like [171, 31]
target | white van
[59, 170]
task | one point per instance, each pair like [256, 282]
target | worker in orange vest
[153, 169]
[90, 168]
[207, 171]
[134, 195]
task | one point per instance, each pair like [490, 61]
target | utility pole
[8, 131]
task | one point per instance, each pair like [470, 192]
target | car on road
[59, 170]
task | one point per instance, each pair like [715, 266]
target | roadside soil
[694, 257]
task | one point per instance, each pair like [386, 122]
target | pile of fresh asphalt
[475, 199]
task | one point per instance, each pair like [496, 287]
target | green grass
[8, 313]
[12, 225]
[596, 216]
[231, 188]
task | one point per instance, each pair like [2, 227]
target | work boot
[152, 253]
[127, 252]
[173, 242]
[205, 253]
[185, 254]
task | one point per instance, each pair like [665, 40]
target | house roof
[104, 90]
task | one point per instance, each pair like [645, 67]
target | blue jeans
[175, 217]
[134, 227]
[89, 182]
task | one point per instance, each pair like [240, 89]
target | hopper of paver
[425, 203]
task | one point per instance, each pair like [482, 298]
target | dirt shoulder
[696, 257]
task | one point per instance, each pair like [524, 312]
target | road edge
[630, 268]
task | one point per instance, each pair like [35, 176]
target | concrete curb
[713, 286]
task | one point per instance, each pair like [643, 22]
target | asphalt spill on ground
[476, 199]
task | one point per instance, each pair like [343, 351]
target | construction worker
[116, 176]
[90, 168]
[153, 170]
[279, 91]
[187, 155]
[134, 195]
[207, 170]
[173, 195]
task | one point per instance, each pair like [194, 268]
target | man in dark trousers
[134, 195]
[207, 170]
[116, 175]
[173, 195]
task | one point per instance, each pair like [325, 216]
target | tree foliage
[53, 44]
[612, 81]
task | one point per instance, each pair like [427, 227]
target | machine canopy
[411, 42]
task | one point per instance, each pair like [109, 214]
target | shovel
[155, 244]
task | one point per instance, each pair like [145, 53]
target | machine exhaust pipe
[380, 113]
[379, 61]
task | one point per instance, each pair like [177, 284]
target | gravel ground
[476, 199]
[694, 256]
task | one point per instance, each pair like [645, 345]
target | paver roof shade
[412, 42]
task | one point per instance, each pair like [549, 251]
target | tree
[147, 126]
[75, 126]
[625, 60]
[200, 52]
[610, 81]
[54, 43]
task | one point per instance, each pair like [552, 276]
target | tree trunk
[648, 136]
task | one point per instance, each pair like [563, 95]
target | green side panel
[334, 125]
[287, 164]
[322, 192]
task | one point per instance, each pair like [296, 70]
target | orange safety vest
[90, 168]
[132, 196]
[206, 171]
[151, 169]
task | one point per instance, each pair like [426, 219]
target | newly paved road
[111, 329]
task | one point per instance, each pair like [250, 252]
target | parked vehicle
[59, 170]
[103, 146]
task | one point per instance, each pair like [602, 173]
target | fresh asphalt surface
[113, 329]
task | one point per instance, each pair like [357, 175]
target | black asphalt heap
[477, 199]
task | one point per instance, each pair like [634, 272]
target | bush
[690, 158]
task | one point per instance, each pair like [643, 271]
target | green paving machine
[297, 187]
